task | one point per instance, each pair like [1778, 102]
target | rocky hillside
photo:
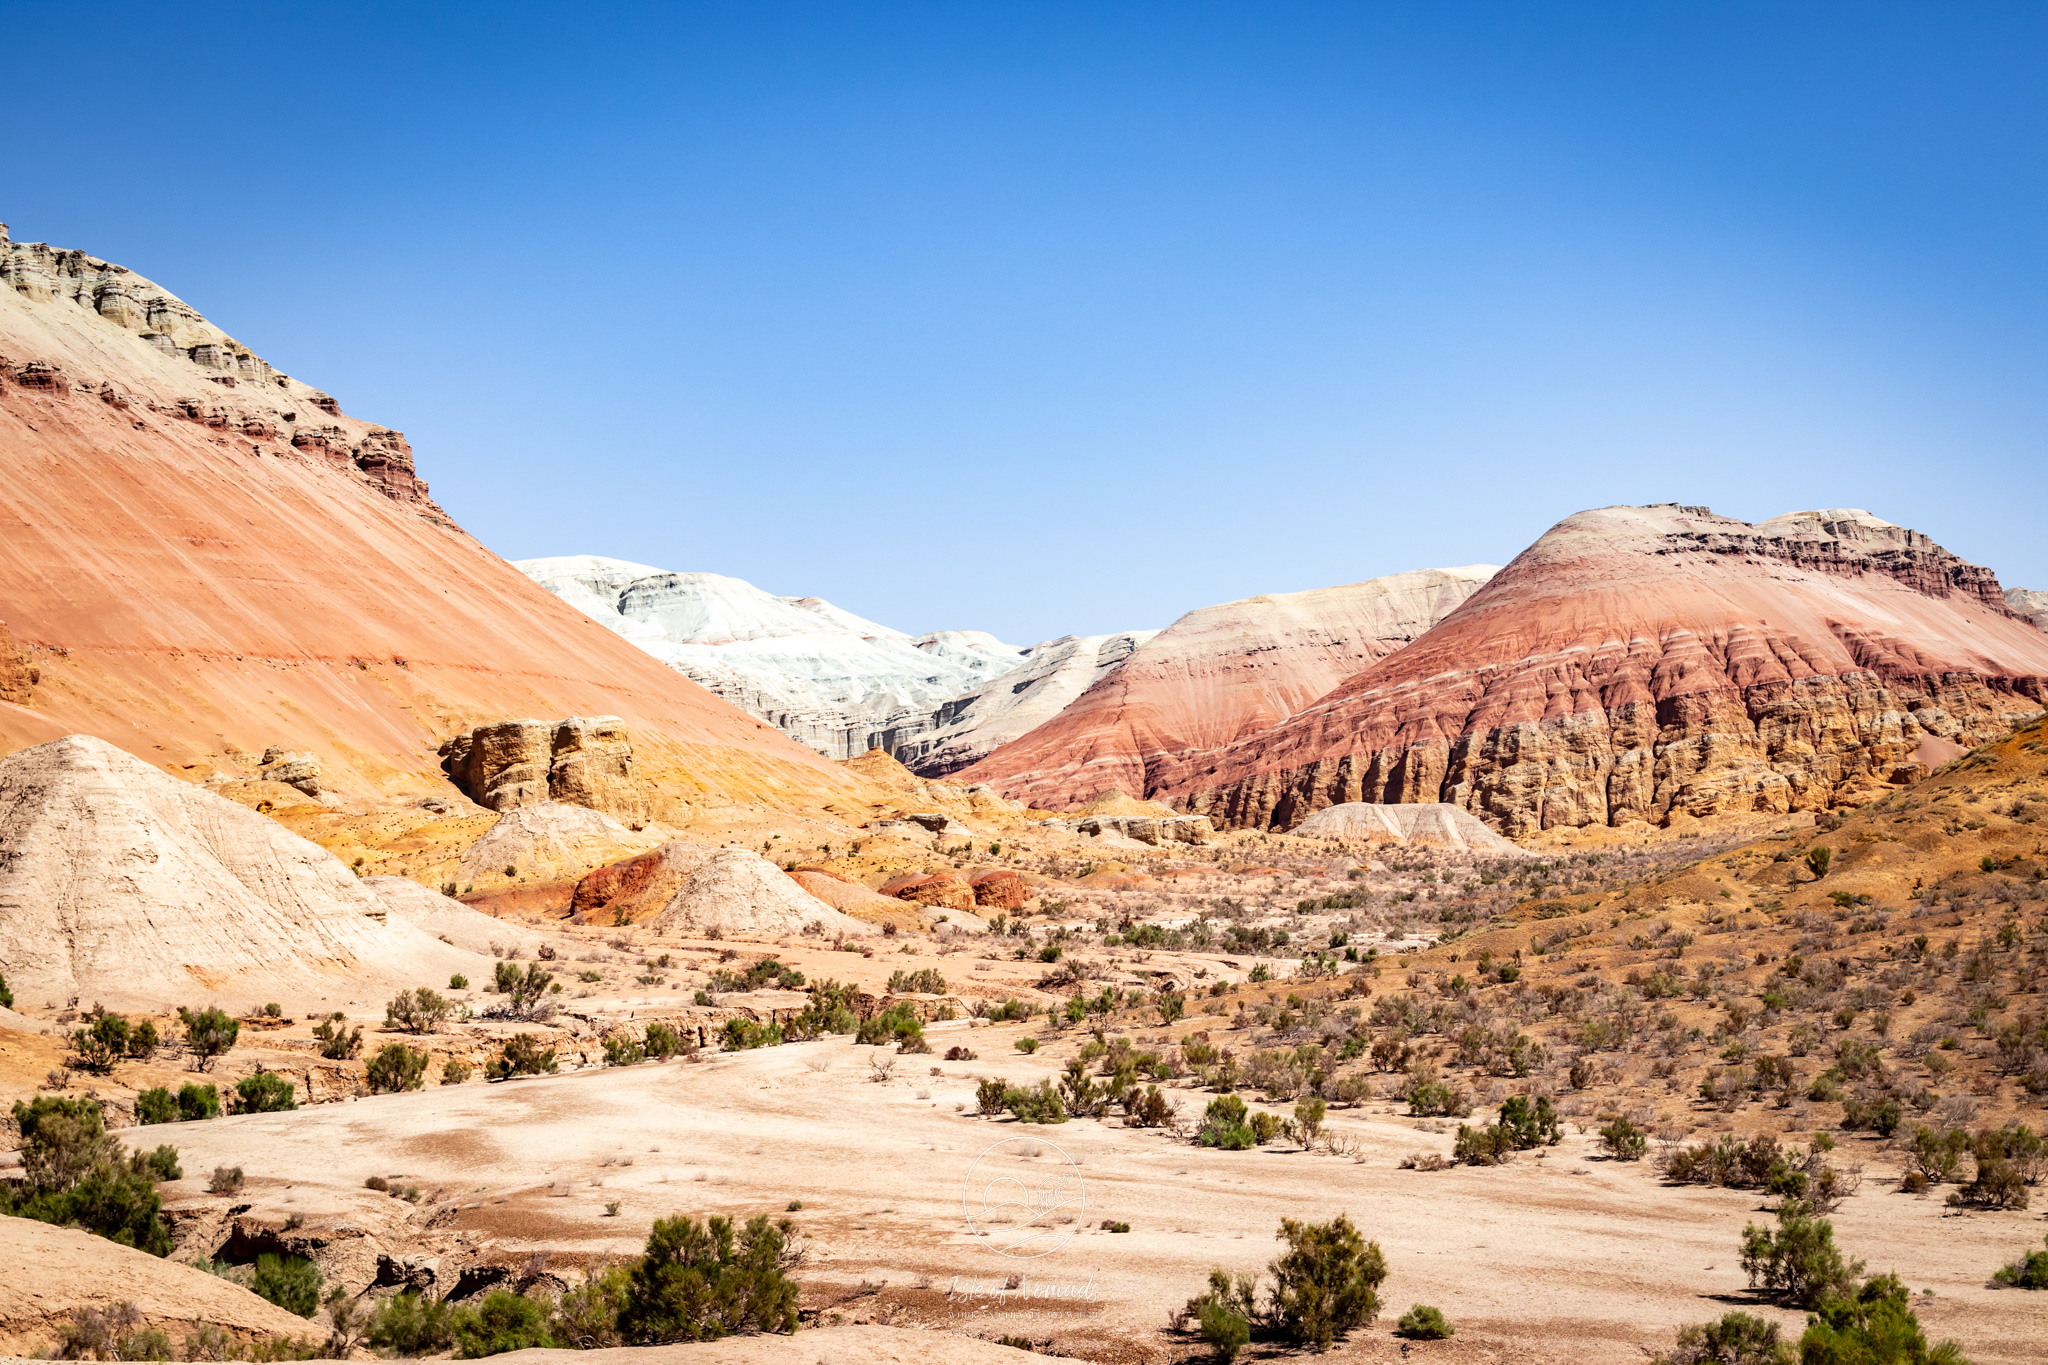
[204, 558]
[827, 678]
[1642, 662]
[2029, 603]
[1218, 675]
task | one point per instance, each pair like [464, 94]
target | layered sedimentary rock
[829, 679]
[639, 887]
[204, 557]
[121, 884]
[1436, 825]
[1214, 676]
[1146, 829]
[974, 724]
[1638, 663]
[18, 677]
[735, 891]
[582, 761]
[2030, 603]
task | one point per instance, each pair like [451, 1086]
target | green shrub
[829, 1010]
[1266, 1127]
[78, 1177]
[742, 1034]
[2030, 1271]
[1225, 1311]
[209, 1033]
[700, 1281]
[225, 1180]
[1326, 1283]
[663, 1041]
[988, 1096]
[266, 1092]
[1732, 1339]
[1027, 1046]
[622, 1049]
[1432, 1098]
[395, 1068]
[587, 1318]
[1624, 1141]
[454, 1071]
[1799, 1263]
[458, 982]
[504, 1321]
[1424, 1324]
[505, 977]
[6, 996]
[522, 1055]
[1224, 1125]
[411, 1325]
[290, 1282]
[896, 1024]
[923, 981]
[159, 1165]
[1042, 1103]
[155, 1105]
[101, 1044]
[198, 1102]
[1875, 1325]
[1224, 1330]
[420, 1011]
[1817, 860]
[1012, 1010]
[338, 1042]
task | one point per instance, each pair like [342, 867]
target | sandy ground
[1562, 1256]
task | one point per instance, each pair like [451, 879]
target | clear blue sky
[1046, 318]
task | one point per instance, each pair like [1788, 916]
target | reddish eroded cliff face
[1638, 662]
[1217, 675]
[200, 554]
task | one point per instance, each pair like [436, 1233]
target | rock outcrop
[2030, 603]
[126, 886]
[552, 841]
[637, 888]
[1435, 824]
[1215, 676]
[827, 678]
[940, 889]
[735, 891]
[299, 770]
[18, 677]
[1638, 663]
[999, 890]
[851, 898]
[1146, 829]
[582, 761]
[205, 556]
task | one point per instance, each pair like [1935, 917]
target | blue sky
[1069, 318]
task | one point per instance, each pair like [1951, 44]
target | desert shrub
[1432, 1097]
[1997, 1185]
[522, 1055]
[663, 1041]
[1266, 1127]
[266, 1092]
[78, 1177]
[586, 1318]
[1042, 1103]
[505, 977]
[111, 1333]
[1624, 1141]
[623, 1049]
[159, 1165]
[1488, 1145]
[338, 1042]
[458, 982]
[1818, 859]
[102, 1043]
[525, 992]
[61, 1140]
[1079, 1091]
[290, 1282]
[1937, 1154]
[1308, 1119]
[2030, 1271]
[1147, 1110]
[504, 1321]
[1530, 1125]
[209, 1033]
[1326, 1283]
[418, 1011]
[923, 981]
[701, 1281]
[454, 1071]
[1012, 1010]
[1027, 1046]
[1224, 1330]
[1424, 1324]
[411, 1325]
[956, 1053]
[395, 1068]
[156, 1105]
[988, 1096]
[1798, 1263]
[6, 996]
[896, 1024]
[1225, 1311]
[1224, 1125]
[1732, 1339]
[742, 1034]
[1874, 1324]
[198, 1102]
[225, 1180]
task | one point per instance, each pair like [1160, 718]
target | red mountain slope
[199, 555]
[1214, 676]
[1641, 661]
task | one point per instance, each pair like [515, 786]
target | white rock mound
[552, 840]
[1436, 824]
[122, 885]
[448, 919]
[739, 892]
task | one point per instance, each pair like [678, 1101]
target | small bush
[209, 1033]
[1732, 1339]
[290, 1282]
[896, 1024]
[1042, 1103]
[989, 1096]
[663, 1041]
[742, 1034]
[156, 1105]
[395, 1068]
[522, 1055]
[702, 1281]
[458, 982]
[198, 1102]
[411, 1325]
[420, 1011]
[957, 1053]
[454, 1071]
[1433, 1098]
[1224, 1125]
[225, 1180]
[924, 981]
[1327, 1282]
[1798, 1263]
[1875, 1323]
[338, 1042]
[1624, 1141]
[1027, 1046]
[623, 1049]
[159, 1165]
[1224, 1312]
[504, 1321]
[266, 1092]
[2030, 1271]
[1424, 1324]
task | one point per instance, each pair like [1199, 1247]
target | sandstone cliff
[1640, 662]
[1214, 676]
[206, 558]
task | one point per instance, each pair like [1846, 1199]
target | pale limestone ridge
[1435, 824]
[123, 885]
[2030, 603]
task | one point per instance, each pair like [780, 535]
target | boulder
[300, 770]
[941, 889]
[999, 890]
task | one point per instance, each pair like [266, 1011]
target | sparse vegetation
[209, 1033]
[290, 1282]
[338, 1042]
[265, 1092]
[421, 1011]
[522, 1055]
[79, 1176]
[395, 1068]
[2030, 1271]
[1424, 1323]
